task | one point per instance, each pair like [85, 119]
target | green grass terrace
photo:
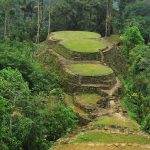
[100, 137]
[88, 99]
[80, 41]
[90, 69]
[114, 120]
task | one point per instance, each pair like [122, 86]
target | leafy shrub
[60, 121]
[146, 124]
[33, 72]
[131, 38]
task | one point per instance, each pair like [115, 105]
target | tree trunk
[108, 18]
[49, 19]
[42, 11]
[38, 23]
[10, 124]
[5, 26]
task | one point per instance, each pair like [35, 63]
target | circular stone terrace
[80, 41]
[90, 69]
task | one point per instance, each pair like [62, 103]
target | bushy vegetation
[136, 80]
[32, 113]
[30, 118]
[19, 18]
[19, 55]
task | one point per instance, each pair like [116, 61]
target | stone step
[111, 81]
[96, 86]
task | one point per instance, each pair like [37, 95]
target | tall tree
[38, 23]
[49, 17]
[7, 6]
[108, 18]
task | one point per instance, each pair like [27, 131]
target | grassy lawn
[83, 146]
[90, 69]
[100, 137]
[80, 41]
[88, 99]
[116, 121]
[75, 34]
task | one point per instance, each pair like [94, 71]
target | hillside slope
[92, 90]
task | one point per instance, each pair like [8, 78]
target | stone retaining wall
[99, 79]
[114, 59]
[73, 55]
[86, 108]
[77, 79]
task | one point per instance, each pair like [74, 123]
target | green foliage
[79, 15]
[28, 119]
[146, 124]
[131, 38]
[65, 15]
[137, 84]
[16, 55]
[61, 121]
[12, 85]
[6, 5]
[138, 13]
[7, 140]
[133, 13]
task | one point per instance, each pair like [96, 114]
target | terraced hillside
[78, 45]
[92, 90]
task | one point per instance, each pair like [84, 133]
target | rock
[83, 120]
[116, 144]
[123, 144]
[109, 145]
[103, 103]
[101, 144]
[136, 145]
[83, 129]
[91, 144]
[65, 141]
[93, 116]
[146, 146]
[106, 128]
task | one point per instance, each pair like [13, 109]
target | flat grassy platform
[88, 99]
[90, 69]
[80, 41]
[91, 146]
[113, 120]
[100, 137]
